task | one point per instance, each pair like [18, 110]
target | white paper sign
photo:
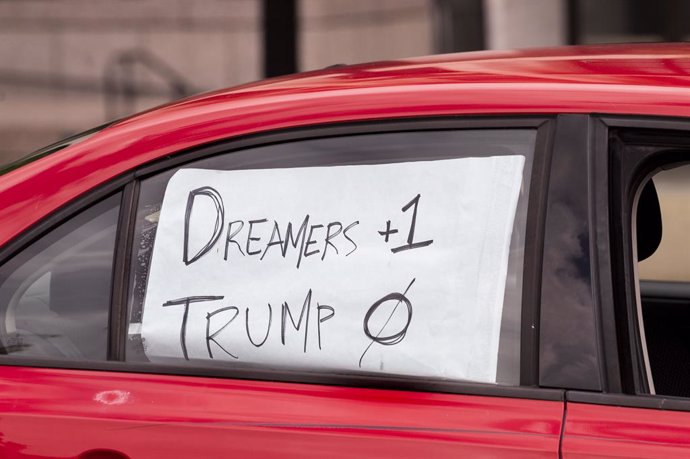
[395, 268]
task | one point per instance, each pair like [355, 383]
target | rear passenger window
[663, 252]
[55, 295]
[395, 254]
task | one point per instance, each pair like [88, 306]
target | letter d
[217, 230]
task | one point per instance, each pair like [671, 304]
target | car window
[663, 253]
[393, 253]
[55, 294]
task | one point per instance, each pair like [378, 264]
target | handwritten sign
[394, 268]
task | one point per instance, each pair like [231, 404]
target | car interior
[663, 249]
[56, 295]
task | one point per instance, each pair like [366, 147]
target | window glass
[663, 251]
[55, 295]
[396, 253]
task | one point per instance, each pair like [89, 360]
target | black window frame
[570, 347]
[615, 180]
[129, 185]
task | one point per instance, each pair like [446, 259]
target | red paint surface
[60, 413]
[594, 431]
[643, 79]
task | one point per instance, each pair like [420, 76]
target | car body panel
[599, 431]
[59, 413]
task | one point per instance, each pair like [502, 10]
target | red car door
[73, 413]
[70, 389]
[601, 426]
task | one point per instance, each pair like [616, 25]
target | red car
[481, 255]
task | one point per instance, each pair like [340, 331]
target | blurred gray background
[68, 65]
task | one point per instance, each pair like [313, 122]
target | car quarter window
[55, 294]
[389, 254]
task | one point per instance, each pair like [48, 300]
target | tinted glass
[55, 295]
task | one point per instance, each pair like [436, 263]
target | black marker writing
[388, 231]
[217, 229]
[268, 327]
[247, 238]
[330, 235]
[311, 241]
[319, 308]
[410, 234]
[286, 313]
[186, 301]
[219, 320]
[394, 338]
[250, 238]
[289, 239]
[212, 336]
[347, 228]
[231, 235]
[275, 239]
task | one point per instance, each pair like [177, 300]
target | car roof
[652, 64]
[646, 79]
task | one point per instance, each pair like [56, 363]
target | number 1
[410, 234]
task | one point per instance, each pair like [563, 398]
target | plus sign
[386, 234]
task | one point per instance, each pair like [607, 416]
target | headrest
[648, 222]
